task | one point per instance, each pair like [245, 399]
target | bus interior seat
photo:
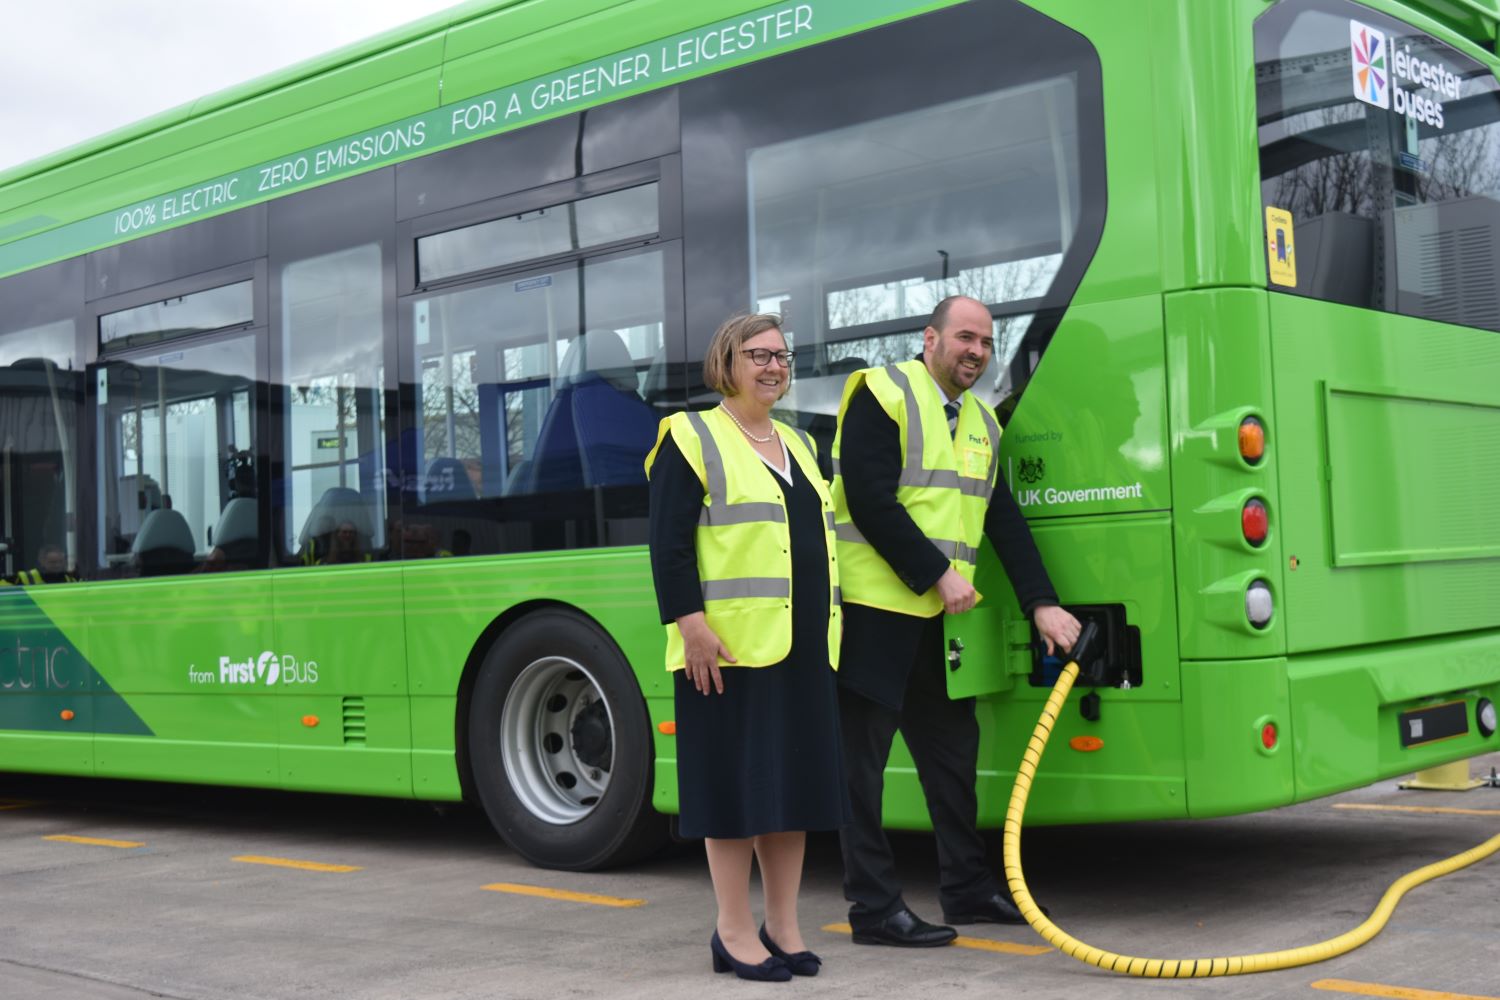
[237, 533]
[164, 545]
[598, 429]
[447, 480]
[139, 495]
[337, 505]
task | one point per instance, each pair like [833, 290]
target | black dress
[763, 757]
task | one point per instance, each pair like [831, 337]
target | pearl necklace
[758, 440]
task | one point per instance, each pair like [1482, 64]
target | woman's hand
[703, 651]
[1059, 629]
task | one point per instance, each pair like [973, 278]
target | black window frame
[592, 510]
[860, 78]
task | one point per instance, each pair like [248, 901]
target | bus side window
[41, 402]
[334, 438]
[532, 418]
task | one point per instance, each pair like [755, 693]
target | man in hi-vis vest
[916, 484]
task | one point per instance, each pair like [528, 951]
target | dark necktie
[952, 410]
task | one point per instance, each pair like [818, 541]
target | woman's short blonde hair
[718, 365]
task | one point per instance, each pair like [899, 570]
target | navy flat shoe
[802, 963]
[772, 970]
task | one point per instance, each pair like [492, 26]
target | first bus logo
[1372, 77]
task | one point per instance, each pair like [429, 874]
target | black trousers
[943, 736]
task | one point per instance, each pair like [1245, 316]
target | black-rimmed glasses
[761, 356]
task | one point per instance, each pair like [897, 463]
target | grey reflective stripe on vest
[956, 550]
[847, 532]
[806, 441]
[950, 549]
[746, 586]
[994, 428]
[829, 520]
[838, 596]
[718, 512]
[913, 474]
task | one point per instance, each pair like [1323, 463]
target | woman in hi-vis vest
[742, 552]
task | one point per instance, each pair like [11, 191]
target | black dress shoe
[905, 929]
[802, 963]
[998, 909]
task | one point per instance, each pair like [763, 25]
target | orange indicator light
[1086, 744]
[667, 728]
[67, 715]
[1252, 440]
[309, 721]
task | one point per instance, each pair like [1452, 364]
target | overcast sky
[73, 69]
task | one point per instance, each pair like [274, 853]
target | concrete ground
[186, 893]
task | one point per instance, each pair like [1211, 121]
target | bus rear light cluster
[1252, 440]
[1255, 521]
[1258, 603]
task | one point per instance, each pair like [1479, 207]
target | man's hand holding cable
[702, 650]
[1059, 629]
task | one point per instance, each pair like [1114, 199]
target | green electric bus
[324, 399]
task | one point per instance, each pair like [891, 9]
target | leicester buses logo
[1367, 57]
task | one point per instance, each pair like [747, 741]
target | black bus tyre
[560, 746]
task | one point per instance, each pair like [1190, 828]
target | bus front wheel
[560, 746]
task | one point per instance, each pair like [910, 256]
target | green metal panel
[1218, 373]
[189, 655]
[1229, 769]
[1346, 707]
[1203, 64]
[340, 633]
[1385, 506]
[1094, 417]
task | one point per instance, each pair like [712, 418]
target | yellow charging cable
[1184, 968]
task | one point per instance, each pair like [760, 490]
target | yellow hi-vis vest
[744, 546]
[946, 484]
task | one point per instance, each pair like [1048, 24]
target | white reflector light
[1258, 604]
[1486, 716]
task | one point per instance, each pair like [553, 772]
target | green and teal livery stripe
[46, 682]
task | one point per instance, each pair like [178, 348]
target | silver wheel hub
[556, 740]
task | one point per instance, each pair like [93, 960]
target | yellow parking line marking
[978, 944]
[310, 866]
[95, 841]
[1444, 810]
[1399, 992]
[14, 804]
[564, 894]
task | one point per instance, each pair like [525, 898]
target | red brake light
[1252, 439]
[1255, 521]
[1268, 736]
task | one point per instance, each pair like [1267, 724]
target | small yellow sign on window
[1281, 258]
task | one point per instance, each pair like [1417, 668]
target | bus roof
[1475, 20]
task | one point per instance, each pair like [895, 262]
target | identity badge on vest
[975, 463]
